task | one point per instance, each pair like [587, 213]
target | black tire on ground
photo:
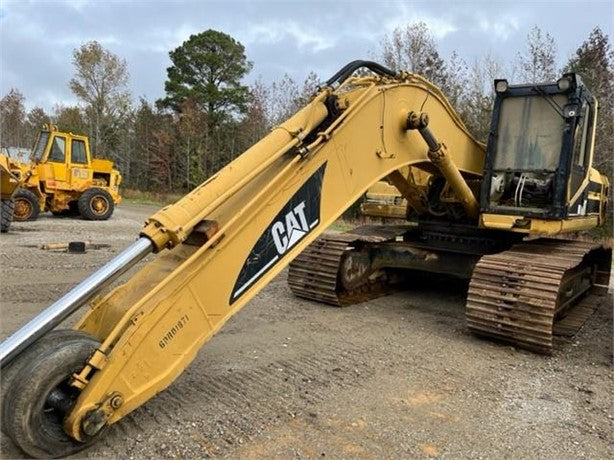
[26, 206]
[96, 204]
[34, 424]
[6, 214]
[73, 210]
[62, 213]
[29, 355]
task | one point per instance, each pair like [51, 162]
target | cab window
[77, 152]
[39, 149]
[58, 149]
[581, 146]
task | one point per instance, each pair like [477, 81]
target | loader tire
[96, 204]
[38, 397]
[26, 207]
[6, 214]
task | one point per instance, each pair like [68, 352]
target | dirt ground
[398, 377]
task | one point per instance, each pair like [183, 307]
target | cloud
[274, 32]
[75, 41]
[37, 38]
[439, 26]
[77, 5]
[165, 40]
[500, 28]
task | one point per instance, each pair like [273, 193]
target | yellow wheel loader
[10, 180]
[63, 178]
[470, 208]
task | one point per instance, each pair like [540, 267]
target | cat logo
[294, 221]
[294, 227]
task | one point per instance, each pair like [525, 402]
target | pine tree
[593, 61]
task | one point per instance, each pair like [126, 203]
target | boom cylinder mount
[439, 156]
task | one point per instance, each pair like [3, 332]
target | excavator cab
[539, 156]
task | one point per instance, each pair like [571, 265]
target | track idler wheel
[355, 269]
[37, 395]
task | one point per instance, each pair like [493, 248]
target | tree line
[208, 115]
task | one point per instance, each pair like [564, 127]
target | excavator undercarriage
[521, 293]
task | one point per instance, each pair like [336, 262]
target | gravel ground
[398, 377]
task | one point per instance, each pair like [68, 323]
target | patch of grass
[342, 225]
[146, 197]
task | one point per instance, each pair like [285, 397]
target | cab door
[80, 170]
[58, 162]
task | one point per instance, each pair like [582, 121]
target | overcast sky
[294, 37]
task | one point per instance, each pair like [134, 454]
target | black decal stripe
[579, 202]
[592, 206]
[594, 187]
[303, 208]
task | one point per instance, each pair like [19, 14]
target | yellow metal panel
[383, 210]
[9, 182]
[100, 165]
[534, 226]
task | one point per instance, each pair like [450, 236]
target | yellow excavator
[469, 207]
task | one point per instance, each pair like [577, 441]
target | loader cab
[58, 147]
[61, 158]
[540, 150]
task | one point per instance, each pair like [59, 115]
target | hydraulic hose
[351, 67]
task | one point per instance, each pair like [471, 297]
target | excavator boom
[232, 235]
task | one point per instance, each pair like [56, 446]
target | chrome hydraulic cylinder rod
[71, 301]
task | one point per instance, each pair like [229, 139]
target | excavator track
[314, 274]
[526, 294]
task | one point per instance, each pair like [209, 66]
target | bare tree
[476, 110]
[413, 48]
[13, 129]
[457, 83]
[101, 81]
[256, 123]
[538, 62]
[281, 99]
[284, 96]
[310, 87]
